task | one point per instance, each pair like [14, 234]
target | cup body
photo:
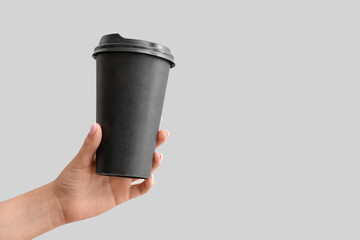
[130, 92]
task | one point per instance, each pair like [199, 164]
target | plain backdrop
[262, 108]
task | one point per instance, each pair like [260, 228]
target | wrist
[57, 217]
[31, 214]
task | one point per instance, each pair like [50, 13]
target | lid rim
[116, 43]
[136, 50]
[164, 49]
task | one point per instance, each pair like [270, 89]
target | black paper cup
[131, 79]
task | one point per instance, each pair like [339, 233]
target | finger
[141, 188]
[85, 156]
[161, 137]
[157, 161]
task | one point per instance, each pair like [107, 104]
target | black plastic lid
[116, 43]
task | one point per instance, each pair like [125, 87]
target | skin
[76, 194]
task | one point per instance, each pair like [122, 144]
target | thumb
[85, 156]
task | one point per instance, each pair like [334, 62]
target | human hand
[82, 193]
[77, 193]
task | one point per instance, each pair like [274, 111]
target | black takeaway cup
[131, 79]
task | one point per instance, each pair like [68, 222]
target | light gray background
[263, 110]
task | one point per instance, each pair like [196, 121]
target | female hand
[83, 194]
[77, 193]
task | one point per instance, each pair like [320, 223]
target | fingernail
[161, 156]
[168, 133]
[161, 119]
[152, 176]
[93, 129]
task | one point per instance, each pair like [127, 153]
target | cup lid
[116, 43]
